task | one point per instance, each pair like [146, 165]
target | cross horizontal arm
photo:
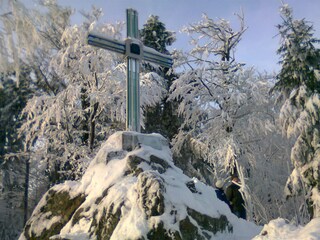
[106, 43]
[149, 54]
[153, 56]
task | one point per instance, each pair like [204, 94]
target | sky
[259, 43]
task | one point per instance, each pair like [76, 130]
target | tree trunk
[93, 125]
[26, 191]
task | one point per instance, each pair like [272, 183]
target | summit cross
[135, 51]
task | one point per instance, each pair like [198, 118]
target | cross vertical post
[133, 83]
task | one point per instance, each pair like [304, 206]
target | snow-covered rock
[132, 190]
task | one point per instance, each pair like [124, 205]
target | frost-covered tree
[25, 46]
[61, 127]
[64, 129]
[76, 98]
[226, 107]
[13, 99]
[29, 36]
[299, 83]
[203, 85]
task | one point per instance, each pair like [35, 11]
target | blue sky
[259, 44]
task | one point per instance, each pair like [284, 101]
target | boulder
[132, 190]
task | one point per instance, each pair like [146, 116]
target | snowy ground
[278, 229]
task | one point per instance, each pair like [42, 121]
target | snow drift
[279, 229]
[133, 190]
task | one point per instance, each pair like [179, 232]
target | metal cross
[135, 51]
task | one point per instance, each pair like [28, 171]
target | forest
[60, 99]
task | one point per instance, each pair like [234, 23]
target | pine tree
[163, 117]
[299, 84]
[299, 56]
[155, 35]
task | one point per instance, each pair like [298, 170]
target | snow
[45, 221]
[315, 197]
[107, 173]
[278, 229]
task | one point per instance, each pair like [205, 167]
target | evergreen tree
[163, 117]
[299, 84]
[28, 37]
[12, 101]
[299, 55]
[13, 160]
[155, 35]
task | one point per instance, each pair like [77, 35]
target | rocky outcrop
[131, 190]
[56, 209]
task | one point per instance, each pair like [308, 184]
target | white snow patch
[278, 229]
